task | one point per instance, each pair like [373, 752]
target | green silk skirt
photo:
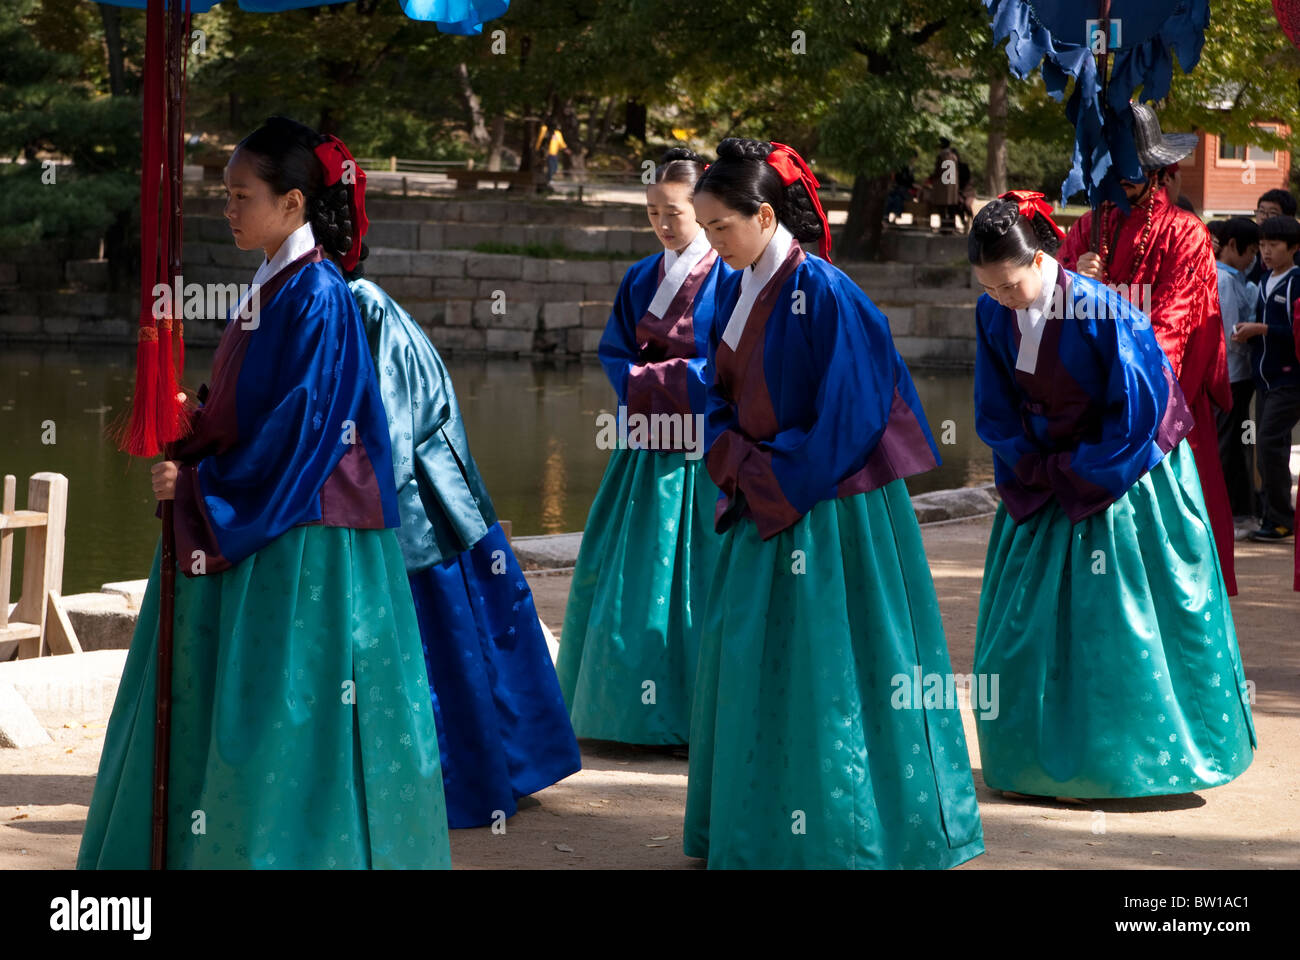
[799, 756]
[630, 639]
[302, 728]
[1114, 646]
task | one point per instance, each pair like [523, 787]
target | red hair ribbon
[1031, 202]
[791, 167]
[333, 155]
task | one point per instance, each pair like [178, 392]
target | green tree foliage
[1248, 72]
[53, 105]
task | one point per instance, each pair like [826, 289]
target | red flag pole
[1103, 69]
[170, 417]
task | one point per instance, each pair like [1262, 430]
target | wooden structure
[470, 179]
[38, 624]
[1223, 178]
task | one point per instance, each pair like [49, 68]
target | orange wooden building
[1225, 178]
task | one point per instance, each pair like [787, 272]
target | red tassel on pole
[157, 414]
[139, 434]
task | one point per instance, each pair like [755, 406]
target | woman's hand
[164, 479]
[1089, 265]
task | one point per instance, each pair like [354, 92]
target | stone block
[561, 292]
[579, 271]
[509, 341]
[402, 288]
[88, 274]
[388, 261]
[432, 236]
[536, 270]
[459, 339]
[452, 288]
[494, 266]
[458, 313]
[403, 234]
[595, 314]
[19, 727]
[557, 315]
[584, 239]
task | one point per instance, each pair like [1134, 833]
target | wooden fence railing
[38, 624]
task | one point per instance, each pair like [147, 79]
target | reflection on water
[532, 428]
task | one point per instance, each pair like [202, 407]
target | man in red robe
[1163, 252]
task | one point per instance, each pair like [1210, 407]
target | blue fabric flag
[450, 16]
[1145, 35]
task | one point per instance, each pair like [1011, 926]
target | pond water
[532, 428]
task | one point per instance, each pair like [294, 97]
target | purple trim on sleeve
[193, 527]
[767, 503]
[1178, 421]
[902, 451]
[350, 496]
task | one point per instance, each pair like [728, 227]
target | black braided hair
[680, 165]
[1001, 234]
[743, 180]
[283, 153]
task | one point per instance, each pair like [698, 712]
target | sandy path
[613, 813]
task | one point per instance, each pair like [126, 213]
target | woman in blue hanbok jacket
[302, 732]
[1103, 611]
[631, 627]
[801, 753]
[503, 729]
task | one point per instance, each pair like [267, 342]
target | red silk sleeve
[1076, 242]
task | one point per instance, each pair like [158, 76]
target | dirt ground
[624, 809]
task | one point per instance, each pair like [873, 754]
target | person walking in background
[550, 141]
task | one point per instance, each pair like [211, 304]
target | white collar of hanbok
[677, 267]
[754, 279]
[1030, 319]
[295, 245]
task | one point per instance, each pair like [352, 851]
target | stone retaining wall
[471, 302]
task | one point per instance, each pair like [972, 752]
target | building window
[1263, 155]
[1229, 151]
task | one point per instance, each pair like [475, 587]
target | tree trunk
[634, 118]
[995, 167]
[860, 238]
[478, 133]
[234, 112]
[112, 17]
[498, 141]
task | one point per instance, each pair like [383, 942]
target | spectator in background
[901, 189]
[1216, 234]
[550, 141]
[1237, 246]
[945, 185]
[1276, 369]
[1272, 203]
